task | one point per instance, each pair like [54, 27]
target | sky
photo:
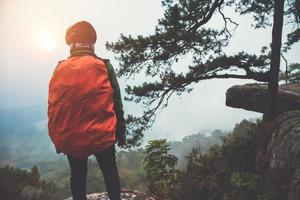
[32, 42]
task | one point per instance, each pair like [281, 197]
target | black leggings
[107, 163]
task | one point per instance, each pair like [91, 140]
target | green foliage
[292, 38]
[130, 166]
[20, 184]
[131, 170]
[159, 167]
[239, 147]
[261, 10]
[292, 74]
[224, 172]
[244, 185]
[200, 141]
[201, 179]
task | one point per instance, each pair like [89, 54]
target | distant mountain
[20, 117]
[24, 142]
[200, 140]
[24, 139]
[24, 136]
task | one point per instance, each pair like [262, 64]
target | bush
[224, 172]
[159, 167]
[20, 184]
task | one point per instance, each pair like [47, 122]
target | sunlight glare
[46, 40]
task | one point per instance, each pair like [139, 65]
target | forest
[258, 160]
[52, 176]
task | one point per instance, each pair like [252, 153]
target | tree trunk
[270, 112]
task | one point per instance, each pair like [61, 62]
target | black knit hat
[81, 32]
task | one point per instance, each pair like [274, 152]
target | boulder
[284, 157]
[283, 147]
[125, 195]
[253, 97]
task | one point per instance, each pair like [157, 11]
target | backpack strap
[118, 105]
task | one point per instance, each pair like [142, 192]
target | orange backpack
[81, 113]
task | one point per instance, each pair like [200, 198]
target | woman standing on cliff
[85, 111]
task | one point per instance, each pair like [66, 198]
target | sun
[46, 40]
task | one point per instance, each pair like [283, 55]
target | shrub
[159, 167]
[226, 171]
[20, 184]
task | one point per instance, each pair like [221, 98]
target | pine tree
[159, 167]
[183, 31]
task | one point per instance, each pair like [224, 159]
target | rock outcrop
[125, 195]
[283, 148]
[284, 157]
[253, 97]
